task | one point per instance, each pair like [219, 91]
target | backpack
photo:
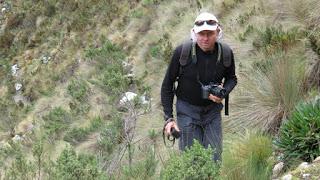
[224, 55]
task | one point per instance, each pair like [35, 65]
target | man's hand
[171, 124]
[215, 98]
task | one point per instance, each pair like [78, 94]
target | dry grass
[269, 97]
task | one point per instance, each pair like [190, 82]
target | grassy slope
[137, 36]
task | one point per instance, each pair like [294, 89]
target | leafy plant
[248, 157]
[274, 39]
[143, 169]
[76, 135]
[78, 89]
[20, 169]
[194, 163]
[111, 135]
[56, 121]
[72, 166]
[299, 136]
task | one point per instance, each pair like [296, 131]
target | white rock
[18, 86]
[144, 100]
[303, 165]
[277, 169]
[287, 177]
[128, 96]
[16, 138]
[14, 69]
[3, 10]
[306, 176]
[317, 160]
[45, 59]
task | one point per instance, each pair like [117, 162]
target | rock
[14, 70]
[18, 86]
[45, 59]
[287, 177]
[317, 160]
[128, 96]
[277, 169]
[144, 100]
[16, 138]
[303, 165]
[306, 176]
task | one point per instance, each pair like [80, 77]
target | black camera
[175, 133]
[213, 89]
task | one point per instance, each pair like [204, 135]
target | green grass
[270, 93]
[247, 156]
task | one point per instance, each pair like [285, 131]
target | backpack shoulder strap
[226, 54]
[186, 49]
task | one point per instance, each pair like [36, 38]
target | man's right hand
[171, 124]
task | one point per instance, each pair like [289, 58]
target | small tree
[194, 163]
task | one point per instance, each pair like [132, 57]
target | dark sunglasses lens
[199, 23]
[211, 22]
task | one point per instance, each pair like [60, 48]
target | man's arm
[167, 88]
[230, 78]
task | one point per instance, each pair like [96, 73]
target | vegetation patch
[299, 135]
[248, 156]
[194, 163]
[56, 122]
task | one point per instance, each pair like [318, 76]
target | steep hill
[65, 66]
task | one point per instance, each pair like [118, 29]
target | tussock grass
[269, 96]
[247, 156]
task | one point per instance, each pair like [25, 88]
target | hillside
[66, 65]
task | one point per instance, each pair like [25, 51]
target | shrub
[143, 169]
[247, 157]
[56, 121]
[300, 134]
[72, 166]
[78, 89]
[77, 135]
[111, 135]
[20, 169]
[194, 163]
[274, 39]
[108, 59]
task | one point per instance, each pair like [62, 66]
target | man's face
[206, 39]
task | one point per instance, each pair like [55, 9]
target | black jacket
[189, 89]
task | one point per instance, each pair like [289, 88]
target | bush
[78, 89]
[72, 166]
[77, 135]
[20, 169]
[144, 169]
[56, 121]
[108, 59]
[247, 157]
[194, 163]
[111, 135]
[274, 39]
[299, 136]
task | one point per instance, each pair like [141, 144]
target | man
[197, 117]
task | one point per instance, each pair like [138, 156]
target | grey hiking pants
[202, 124]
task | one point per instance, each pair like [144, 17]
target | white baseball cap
[205, 21]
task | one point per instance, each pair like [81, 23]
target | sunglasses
[209, 22]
